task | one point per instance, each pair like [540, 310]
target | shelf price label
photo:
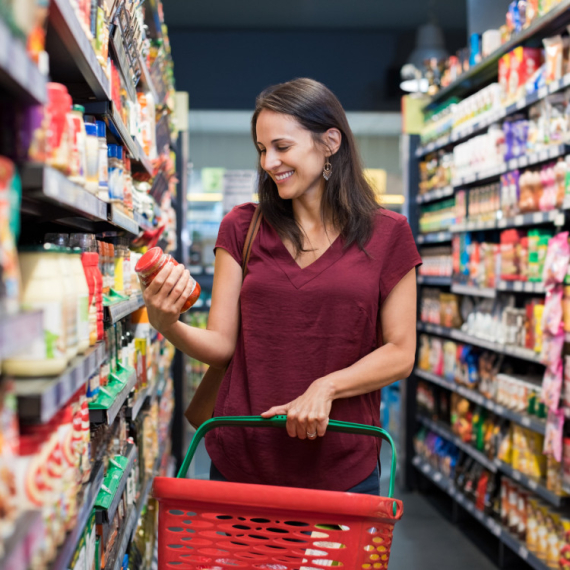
[522, 552]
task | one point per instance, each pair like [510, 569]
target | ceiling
[313, 14]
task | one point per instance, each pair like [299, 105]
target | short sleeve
[401, 257]
[233, 230]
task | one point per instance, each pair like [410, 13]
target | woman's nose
[271, 160]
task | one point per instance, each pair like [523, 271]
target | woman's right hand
[166, 295]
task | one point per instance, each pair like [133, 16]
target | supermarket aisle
[425, 539]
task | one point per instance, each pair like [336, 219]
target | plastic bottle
[150, 264]
[103, 188]
[119, 284]
[91, 158]
[42, 290]
[78, 151]
[116, 180]
[83, 322]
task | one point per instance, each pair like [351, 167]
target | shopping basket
[214, 525]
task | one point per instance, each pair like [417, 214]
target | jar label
[53, 344]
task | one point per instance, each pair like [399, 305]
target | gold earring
[327, 170]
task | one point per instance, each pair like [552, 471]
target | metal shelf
[434, 237]
[107, 515]
[39, 399]
[475, 291]
[90, 493]
[118, 311]
[545, 155]
[18, 73]
[65, 24]
[143, 159]
[46, 183]
[434, 280]
[551, 23]
[142, 222]
[26, 537]
[521, 287]
[18, 331]
[448, 486]
[556, 217]
[127, 530]
[132, 413]
[525, 420]
[147, 79]
[108, 416]
[436, 194]
[455, 334]
[118, 218]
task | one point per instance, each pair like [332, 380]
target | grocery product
[150, 264]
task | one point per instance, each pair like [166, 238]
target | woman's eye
[282, 148]
[261, 150]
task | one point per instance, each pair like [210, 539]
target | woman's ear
[332, 140]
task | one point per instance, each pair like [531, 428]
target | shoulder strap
[251, 233]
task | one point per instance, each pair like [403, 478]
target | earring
[327, 170]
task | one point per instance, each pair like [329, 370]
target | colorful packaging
[556, 262]
[554, 434]
[552, 317]
[552, 386]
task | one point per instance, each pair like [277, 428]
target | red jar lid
[149, 260]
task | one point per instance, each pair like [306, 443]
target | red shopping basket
[213, 525]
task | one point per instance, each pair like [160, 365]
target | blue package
[474, 49]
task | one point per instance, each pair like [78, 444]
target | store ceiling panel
[313, 14]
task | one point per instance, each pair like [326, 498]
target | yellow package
[553, 475]
[553, 540]
[532, 507]
[505, 452]
[564, 542]
[538, 312]
[424, 353]
[536, 460]
[541, 531]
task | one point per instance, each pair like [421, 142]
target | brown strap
[251, 233]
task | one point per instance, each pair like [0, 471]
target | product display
[87, 386]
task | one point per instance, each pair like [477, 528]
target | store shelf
[556, 217]
[118, 311]
[433, 280]
[107, 515]
[521, 287]
[532, 159]
[444, 431]
[475, 291]
[143, 159]
[485, 122]
[90, 492]
[18, 331]
[39, 399]
[436, 194]
[448, 486]
[18, 73]
[46, 183]
[108, 416]
[117, 45]
[26, 537]
[434, 237]
[551, 23]
[455, 334]
[120, 219]
[64, 22]
[537, 486]
[142, 222]
[133, 412]
[530, 422]
[127, 530]
[147, 79]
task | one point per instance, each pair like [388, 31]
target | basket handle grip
[281, 421]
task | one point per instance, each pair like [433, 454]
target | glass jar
[150, 264]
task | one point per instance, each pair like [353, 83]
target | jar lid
[80, 108]
[148, 260]
[112, 150]
[101, 129]
[91, 129]
[119, 152]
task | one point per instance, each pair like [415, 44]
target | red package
[524, 62]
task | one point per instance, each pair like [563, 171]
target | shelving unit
[118, 311]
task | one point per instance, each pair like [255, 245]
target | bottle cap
[80, 108]
[119, 152]
[112, 151]
[91, 129]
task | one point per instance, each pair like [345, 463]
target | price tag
[529, 287]
[437, 477]
[513, 163]
[479, 515]
[537, 217]
[560, 219]
[497, 463]
[499, 409]
[425, 468]
[523, 161]
[542, 92]
[495, 527]
[523, 552]
[518, 286]
[65, 387]
[532, 158]
[19, 64]
[517, 475]
[543, 155]
[502, 223]
[519, 220]
[533, 485]
[521, 103]
[566, 80]
[49, 403]
[525, 421]
[470, 178]
[416, 460]
[5, 39]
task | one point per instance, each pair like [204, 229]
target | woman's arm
[166, 295]
[391, 362]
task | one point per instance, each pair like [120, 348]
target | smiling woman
[325, 316]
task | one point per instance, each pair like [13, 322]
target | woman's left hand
[308, 415]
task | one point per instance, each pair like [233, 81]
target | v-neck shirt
[298, 325]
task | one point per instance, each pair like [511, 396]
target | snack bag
[552, 316]
[554, 432]
[556, 263]
[552, 386]
[553, 50]
[551, 348]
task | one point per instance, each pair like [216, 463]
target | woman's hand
[166, 295]
[308, 415]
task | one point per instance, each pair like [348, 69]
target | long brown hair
[348, 200]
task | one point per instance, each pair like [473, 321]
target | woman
[326, 315]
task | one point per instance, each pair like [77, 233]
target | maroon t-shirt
[298, 325]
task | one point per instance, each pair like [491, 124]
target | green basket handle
[281, 421]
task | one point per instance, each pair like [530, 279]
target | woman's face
[289, 155]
